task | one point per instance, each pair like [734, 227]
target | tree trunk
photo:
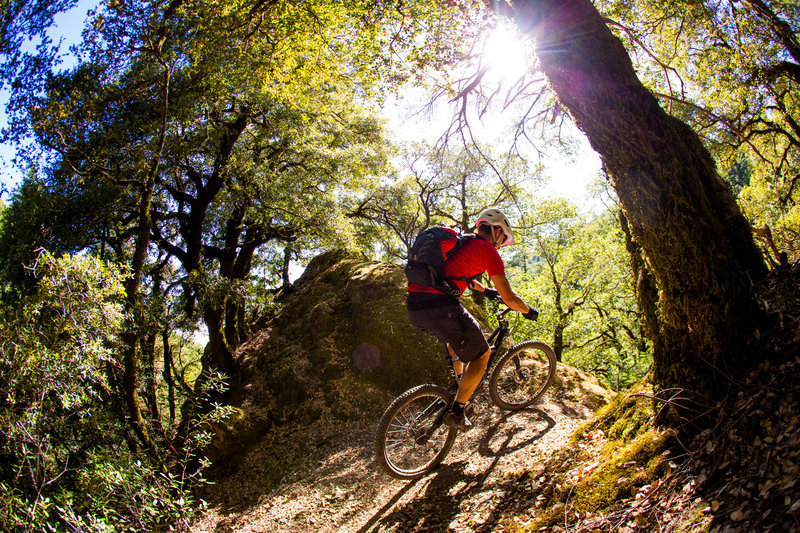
[149, 352]
[167, 373]
[287, 261]
[643, 286]
[558, 338]
[218, 354]
[695, 241]
[134, 306]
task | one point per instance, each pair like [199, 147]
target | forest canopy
[198, 153]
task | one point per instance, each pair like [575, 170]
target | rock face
[340, 348]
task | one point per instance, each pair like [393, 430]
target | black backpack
[427, 256]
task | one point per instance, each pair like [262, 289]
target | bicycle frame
[495, 340]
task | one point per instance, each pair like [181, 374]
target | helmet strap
[494, 237]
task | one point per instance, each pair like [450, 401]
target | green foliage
[732, 71]
[572, 266]
[61, 337]
[24, 20]
[68, 460]
[738, 176]
[55, 350]
[436, 186]
[248, 121]
[51, 217]
[239, 129]
[777, 225]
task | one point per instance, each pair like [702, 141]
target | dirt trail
[341, 489]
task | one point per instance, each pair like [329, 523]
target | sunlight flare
[506, 54]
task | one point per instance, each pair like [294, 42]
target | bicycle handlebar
[502, 312]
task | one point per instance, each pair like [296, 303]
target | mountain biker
[446, 318]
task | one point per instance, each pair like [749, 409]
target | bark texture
[695, 241]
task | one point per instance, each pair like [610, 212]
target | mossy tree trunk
[563, 314]
[695, 242]
[135, 308]
[643, 284]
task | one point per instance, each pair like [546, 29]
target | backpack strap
[452, 288]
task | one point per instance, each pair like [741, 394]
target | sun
[506, 54]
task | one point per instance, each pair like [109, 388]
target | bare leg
[472, 378]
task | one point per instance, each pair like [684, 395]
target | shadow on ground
[455, 485]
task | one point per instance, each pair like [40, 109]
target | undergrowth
[622, 472]
[618, 458]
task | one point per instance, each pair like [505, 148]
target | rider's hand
[491, 294]
[532, 314]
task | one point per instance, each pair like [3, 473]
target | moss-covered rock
[579, 387]
[340, 348]
[612, 461]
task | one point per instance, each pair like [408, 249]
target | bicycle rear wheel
[522, 375]
[411, 438]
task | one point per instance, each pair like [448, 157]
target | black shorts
[447, 320]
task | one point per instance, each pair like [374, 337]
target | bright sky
[505, 55]
[68, 27]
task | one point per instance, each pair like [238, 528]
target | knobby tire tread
[386, 420]
[506, 358]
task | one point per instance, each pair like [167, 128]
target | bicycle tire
[400, 449]
[514, 386]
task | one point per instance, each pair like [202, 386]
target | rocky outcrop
[340, 348]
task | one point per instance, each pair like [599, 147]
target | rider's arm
[510, 298]
[487, 292]
[476, 285]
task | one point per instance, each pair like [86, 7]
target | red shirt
[475, 257]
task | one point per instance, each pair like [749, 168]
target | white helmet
[495, 217]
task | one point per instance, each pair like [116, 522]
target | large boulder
[340, 348]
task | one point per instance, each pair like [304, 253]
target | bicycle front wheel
[522, 375]
[411, 438]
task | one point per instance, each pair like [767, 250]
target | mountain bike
[412, 438]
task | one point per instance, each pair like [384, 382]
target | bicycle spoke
[394, 443]
[411, 442]
[522, 375]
